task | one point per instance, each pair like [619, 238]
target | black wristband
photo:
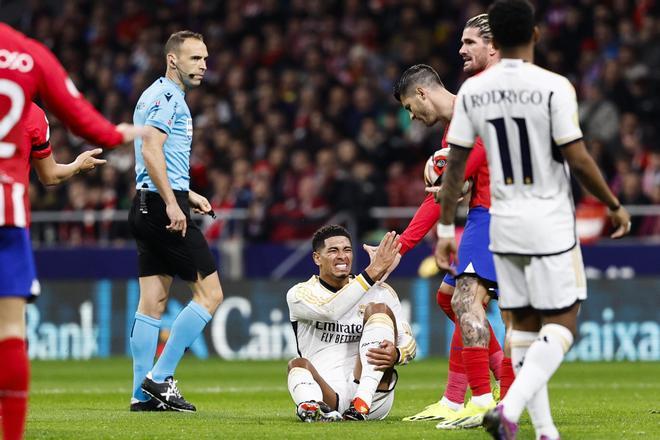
[367, 278]
[616, 208]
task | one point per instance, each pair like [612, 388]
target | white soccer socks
[540, 362]
[538, 406]
[378, 327]
[303, 387]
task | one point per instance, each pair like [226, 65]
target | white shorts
[347, 387]
[544, 283]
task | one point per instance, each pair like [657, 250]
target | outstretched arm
[52, 173]
[305, 303]
[62, 98]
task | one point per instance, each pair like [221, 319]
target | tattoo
[452, 181]
[470, 313]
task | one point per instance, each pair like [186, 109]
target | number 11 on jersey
[505, 155]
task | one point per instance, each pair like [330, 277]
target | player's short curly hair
[417, 75]
[512, 22]
[176, 40]
[325, 232]
[480, 22]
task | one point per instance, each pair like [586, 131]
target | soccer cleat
[437, 411]
[308, 411]
[148, 405]
[545, 437]
[167, 393]
[471, 416]
[496, 392]
[357, 411]
[499, 426]
[313, 411]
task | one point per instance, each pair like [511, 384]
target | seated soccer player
[350, 333]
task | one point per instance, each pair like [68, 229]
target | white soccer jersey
[328, 324]
[524, 114]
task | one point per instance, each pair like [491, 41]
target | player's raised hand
[436, 191]
[87, 160]
[621, 221]
[445, 249]
[130, 131]
[178, 223]
[371, 251]
[384, 257]
[383, 357]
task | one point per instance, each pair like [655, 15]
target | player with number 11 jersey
[525, 115]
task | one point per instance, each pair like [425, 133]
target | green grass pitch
[89, 400]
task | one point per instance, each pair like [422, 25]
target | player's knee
[215, 298]
[152, 305]
[209, 300]
[373, 308]
[209, 295]
[298, 363]
[459, 303]
[562, 334]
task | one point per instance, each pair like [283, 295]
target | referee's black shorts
[161, 252]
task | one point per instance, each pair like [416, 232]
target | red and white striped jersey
[14, 197]
[27, 69]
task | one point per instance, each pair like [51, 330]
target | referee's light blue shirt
[163, 106]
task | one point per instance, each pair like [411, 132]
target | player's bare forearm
[50, 172]
[154, 161]
[452, 182]
[53, 173]
[586, 171]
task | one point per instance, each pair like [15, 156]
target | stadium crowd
[295, 120]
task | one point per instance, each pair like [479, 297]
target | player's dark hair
[480, 23]
[325, 232]
[512, 22]
[417, 75]
[176, 40]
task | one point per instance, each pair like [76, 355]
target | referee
[168, 242]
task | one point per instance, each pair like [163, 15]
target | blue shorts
[474, 257]
[18, 276]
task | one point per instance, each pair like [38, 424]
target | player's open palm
[87, 160]
[371, 251]
[621, 221]
[386, 254]
[177, 218]
[445, 249]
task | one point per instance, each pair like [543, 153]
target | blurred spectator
[599, 117]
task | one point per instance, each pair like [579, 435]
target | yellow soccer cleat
[496, 392]
[469, 417]
[436, 411]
